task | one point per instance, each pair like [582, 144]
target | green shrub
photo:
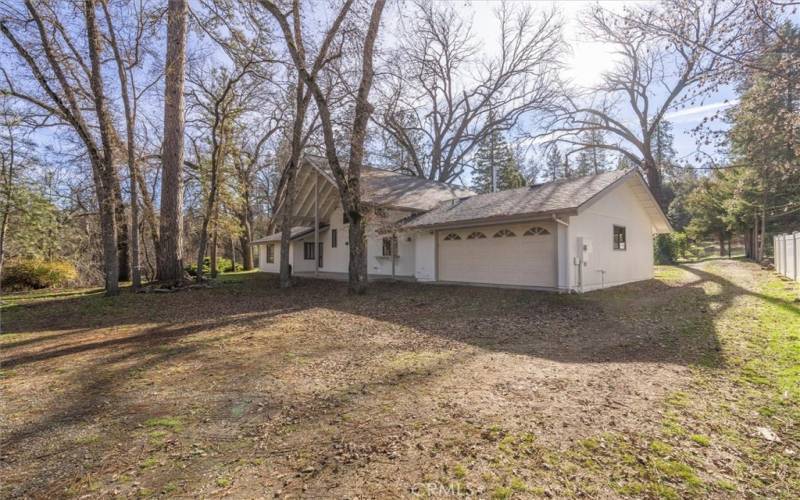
[37, 273]
[669, 247]
[223, 266]
[664, 249]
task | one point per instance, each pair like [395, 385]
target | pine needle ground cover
[685, 385]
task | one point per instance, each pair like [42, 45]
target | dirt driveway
[248, 391]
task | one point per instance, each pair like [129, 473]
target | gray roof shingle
[560, 195]
[390, 189]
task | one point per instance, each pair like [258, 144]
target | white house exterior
[576, 234]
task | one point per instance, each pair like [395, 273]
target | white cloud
[697, 112]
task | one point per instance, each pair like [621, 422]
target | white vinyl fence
[787, 255]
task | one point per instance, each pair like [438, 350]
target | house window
[270, 254]
[477, 235]
[387, 247]
[535, 231]
[452, 237]
[308, 250]
[345, 218]
[504, 233]
[334, 238]
[619, 238]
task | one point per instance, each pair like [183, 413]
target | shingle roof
[560, 195]
[391, 189]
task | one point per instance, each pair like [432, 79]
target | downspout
[557, 252]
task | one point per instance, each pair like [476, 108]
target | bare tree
[60, 74]
[220, 102]
[659, 69]
[170, 258]
[250, 160]
[293, 35]
[442, 97]
[348, 182]
[130, 147]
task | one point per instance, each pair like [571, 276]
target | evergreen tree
[624, 163]
[510, 176]
[583, 165]
[764, 144]
[554, 165]
[592, 159]
[664, 149]
[493, 151]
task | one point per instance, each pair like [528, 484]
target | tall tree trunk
[136, 276]
[122, 232]
[357, 281]
[233, 255]
[654, 181]
[245, 241]
[357, 268]
[8, 178]
[721, 239]
[3, 228]
[212, 254]
[246, 222]
[149, 213]
[170, 258]
[107, 177]
[286, 213]
[756, 257]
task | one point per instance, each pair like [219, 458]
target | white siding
[336, 260]
[595, 225]
[273, 267]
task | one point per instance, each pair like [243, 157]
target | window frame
[619, 244]
[334, 238]
[476, 235]
[505, 233]
[452, 237]
[271, 253]
[536, 231]
[309, 255]
[384, 241]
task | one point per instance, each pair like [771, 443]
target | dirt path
[246, 390]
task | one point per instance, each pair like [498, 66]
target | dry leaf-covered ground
[681, 386]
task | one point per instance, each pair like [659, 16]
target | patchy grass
[683, 386]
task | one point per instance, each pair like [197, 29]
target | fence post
[796, 236]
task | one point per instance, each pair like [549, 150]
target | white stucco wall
[336, 260]
[273, 267]
[595, 225]
[425, 255]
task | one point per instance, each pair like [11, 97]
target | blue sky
[589, 58]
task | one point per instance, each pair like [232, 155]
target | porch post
[316, 223]
[394, 253]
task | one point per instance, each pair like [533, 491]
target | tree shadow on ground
[645, 322]
[648, 321]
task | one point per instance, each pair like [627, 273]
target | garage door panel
[516, 260]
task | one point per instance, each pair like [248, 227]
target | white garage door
[517, 254]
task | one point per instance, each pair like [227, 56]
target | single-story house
[575, 234]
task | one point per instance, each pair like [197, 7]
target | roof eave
[486, 221]
[663, 228]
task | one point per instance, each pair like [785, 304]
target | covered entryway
[514, 254]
